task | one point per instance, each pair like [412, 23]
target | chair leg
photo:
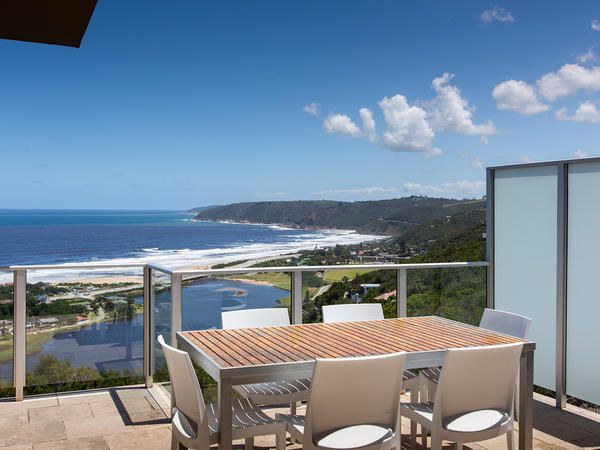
[436, 442]
[510, 440]
[293, 410]
[459, 446]
[413, 435]
[424, 433]
[175, 445]
[280, 440]
[249, 443]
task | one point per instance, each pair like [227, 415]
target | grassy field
[279, 280]
[337, 275]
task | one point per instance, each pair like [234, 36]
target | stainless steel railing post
[19, 331]
[296, 296]
[401, 292]
[148, 326]
[176, 307]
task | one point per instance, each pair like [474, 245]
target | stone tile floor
[135, 417]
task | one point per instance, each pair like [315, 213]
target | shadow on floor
[566, 426]
[137, 407]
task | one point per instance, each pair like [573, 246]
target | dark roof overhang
[59, 22]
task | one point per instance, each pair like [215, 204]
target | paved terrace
[135, 417]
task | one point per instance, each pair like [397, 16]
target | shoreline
[199, 259]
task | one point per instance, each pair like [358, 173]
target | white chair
[274, 392]
[353, 312]
[360, 412]
[494, 320]
[474, 400]
[194, 424]
[362, 312]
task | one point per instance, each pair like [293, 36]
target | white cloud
[484, 140]
[581, 154]
[587, 56]
[312, 109]
[477, 163]
[595, 25]
[368, 123]
[516, 95]
[457, 189]
[497, 14]
[526, 159]
[407, 127]
[450, 111]
[341, 124]
[412, 128]
[569, 79]
[586, 112]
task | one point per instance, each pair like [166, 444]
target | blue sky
[178, 104]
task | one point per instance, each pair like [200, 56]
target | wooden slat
[297, 343]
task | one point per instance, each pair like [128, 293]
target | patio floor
[134, 417]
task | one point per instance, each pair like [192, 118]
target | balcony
[136, 414]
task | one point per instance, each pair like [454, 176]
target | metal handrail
[242, 270]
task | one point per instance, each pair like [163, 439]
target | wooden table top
[307, 342]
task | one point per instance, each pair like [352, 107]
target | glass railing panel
[459, 293]
[83, 333]
[6, 335]
[161, 321]
[346, 286]
[205, 298]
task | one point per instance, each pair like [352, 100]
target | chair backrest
[369, 394]
[255, 318]
[506, 323]
[186, 394]
[354, 312]
[477, 378]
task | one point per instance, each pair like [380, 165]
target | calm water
[119, 345]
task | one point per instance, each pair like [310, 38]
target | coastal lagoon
[118, 345]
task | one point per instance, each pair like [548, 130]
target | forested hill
[391, 217]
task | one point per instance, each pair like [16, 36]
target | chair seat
[245, 415]
[477, 421]
[356, 436]
[276, 391]
[470, 422]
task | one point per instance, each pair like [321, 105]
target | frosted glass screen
[525, 246]
[583, 295]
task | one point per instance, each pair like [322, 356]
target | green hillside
[387, 217]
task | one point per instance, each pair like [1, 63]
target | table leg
[225, 416]
[526, 401]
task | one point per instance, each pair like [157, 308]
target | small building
[368, 286]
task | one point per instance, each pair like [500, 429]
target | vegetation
[389, 217]
[54, 375]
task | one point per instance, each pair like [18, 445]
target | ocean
[167, 238]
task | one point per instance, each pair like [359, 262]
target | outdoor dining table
[254, 355]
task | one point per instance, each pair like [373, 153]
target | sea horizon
[168, 238]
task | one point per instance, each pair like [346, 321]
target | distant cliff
[389, 217]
